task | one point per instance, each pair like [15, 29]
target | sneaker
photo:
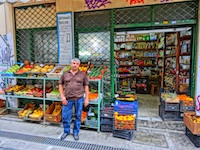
[76, 137]
[64, 135]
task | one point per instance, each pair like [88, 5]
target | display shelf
[123, 50]
[145, 65]
[145, 57]
[170, 55]
[184, 70]
[124, 58]
[98, 102]
[185, 54]
[125, 65]
[145, 49]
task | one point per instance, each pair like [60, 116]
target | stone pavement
[16, 134]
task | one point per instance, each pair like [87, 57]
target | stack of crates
[107, 118]
[186, 106]
[169, 111]
[125, 116]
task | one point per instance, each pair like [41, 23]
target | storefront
[146, 46]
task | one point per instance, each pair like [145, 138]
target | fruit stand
[46, 74]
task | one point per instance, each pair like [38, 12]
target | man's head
[75, 62]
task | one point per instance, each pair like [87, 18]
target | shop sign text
[132, 2]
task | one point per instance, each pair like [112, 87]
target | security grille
[157, 13]
[92, 41]
[36, 37]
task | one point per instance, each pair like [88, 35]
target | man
[75, 82]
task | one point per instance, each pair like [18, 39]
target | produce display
[170, 97]
[13, 69]
[83, 116]
[194, 118]
[58, 70]
[93, 96]
[96, 72]
[57, 109]
[27, 112]
[126, 95]
[15, 88]
[37, 113]
[42, 68]
[124, 122]
[25, 68]
[184, 97]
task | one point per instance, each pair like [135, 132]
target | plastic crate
[124, 134]
[189, 106]
[169, 115]
[123, 105]
[105, 120]
[124, 125]
[123, 112]
[194, 138]
[108, 114]
[106, 127]
[170, 106]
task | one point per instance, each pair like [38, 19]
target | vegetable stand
[97, 102]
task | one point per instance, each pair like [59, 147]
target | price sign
[65, 40]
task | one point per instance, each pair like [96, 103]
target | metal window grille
[36, 37]
[92, 41]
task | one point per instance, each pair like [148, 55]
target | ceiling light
[12, 1]
[2, 1]
[24, 1]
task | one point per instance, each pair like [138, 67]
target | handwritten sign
[65, 40]
[92, 4]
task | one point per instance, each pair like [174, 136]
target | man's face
[74, 65]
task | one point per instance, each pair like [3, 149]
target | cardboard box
[2, 103]
[192, 126]
[1, 109]
[49, 117]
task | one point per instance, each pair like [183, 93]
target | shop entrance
[150, 62]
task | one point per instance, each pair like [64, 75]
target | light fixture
[2, 1]
[159, 30]
[24, 1]
[12, 1]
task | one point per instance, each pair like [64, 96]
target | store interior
[149, 62]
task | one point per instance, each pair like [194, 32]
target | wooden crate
[192, 126]
[50, 117]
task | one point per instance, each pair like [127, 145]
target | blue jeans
[67, 114]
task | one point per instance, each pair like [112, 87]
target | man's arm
[86, 101]
[63, 98]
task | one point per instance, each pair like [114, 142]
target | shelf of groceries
[47, 90]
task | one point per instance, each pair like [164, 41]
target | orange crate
[50, 117]
[192, 126]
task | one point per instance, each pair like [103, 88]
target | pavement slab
[152, 139]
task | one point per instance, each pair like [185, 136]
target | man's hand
[86, 103]
[64, 101]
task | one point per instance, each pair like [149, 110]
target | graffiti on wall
[132, 2]
[92, 4]
[6, 58]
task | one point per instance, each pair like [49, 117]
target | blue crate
[126, 105]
